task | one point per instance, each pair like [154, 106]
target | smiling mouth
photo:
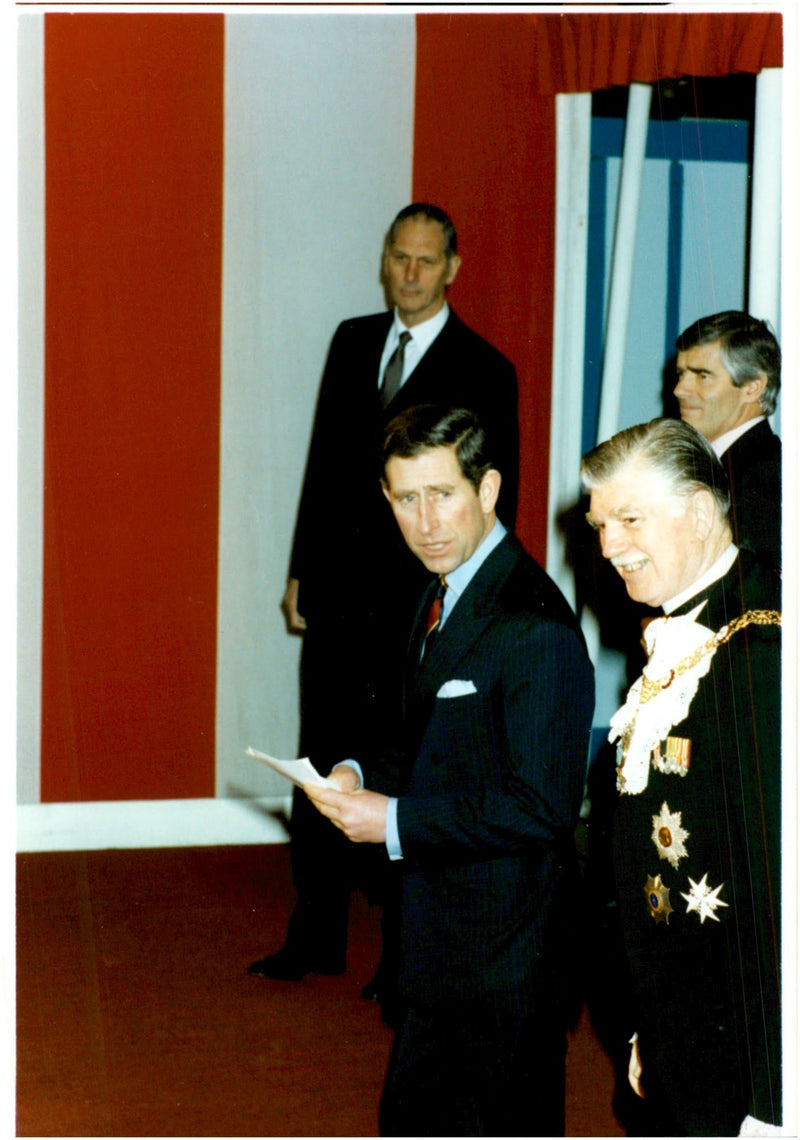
[629, 567]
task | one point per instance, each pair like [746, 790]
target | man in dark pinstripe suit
[476, 803]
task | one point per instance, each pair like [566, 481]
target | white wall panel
[319, 122]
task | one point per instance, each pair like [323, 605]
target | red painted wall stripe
[134, 151]
[484, 150]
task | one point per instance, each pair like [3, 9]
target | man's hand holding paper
[345, 777]
[360, 814]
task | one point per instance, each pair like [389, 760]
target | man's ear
[703, 506]
[385, 488]
[489, 490]
[452, 269]
[753, 389]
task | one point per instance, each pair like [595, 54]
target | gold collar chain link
[651, 689]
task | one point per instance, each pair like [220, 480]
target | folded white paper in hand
[298, 771]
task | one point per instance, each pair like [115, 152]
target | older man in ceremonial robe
[697, 825]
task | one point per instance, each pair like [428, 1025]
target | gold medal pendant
[658, 899]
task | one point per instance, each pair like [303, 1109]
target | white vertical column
[573, 135]
[765, 208]
[622, 260]
[318, 159]
[30, 409]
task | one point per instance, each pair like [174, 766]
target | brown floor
[136, 1016]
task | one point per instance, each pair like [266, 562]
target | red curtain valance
[587, 53]
[568, 53]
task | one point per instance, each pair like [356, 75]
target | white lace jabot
[647, 717]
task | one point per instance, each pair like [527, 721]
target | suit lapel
[370, 352]
[723, 601]
[416, 388]
[751, 446]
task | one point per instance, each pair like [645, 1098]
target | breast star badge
[669, 836]
[703, 899]
[658, 899]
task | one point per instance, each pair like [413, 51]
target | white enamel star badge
[703, 899]
[668, 835]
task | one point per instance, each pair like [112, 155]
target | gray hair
[673, 448]
[429, 213]
[747, 346]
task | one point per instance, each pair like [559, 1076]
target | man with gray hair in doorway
[729, 376]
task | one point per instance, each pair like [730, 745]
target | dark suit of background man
[697, 826]
[729, 376]
[353, 585]
[476, 803]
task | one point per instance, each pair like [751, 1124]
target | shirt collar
[719, 569]
[425, 333]
[458, 579]
[721, 444]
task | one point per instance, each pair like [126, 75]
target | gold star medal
[668, 835]
[658, 899]
[703, 899]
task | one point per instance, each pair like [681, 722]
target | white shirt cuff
[395, 851]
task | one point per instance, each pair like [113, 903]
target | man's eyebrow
[427, 487]
[614, 513]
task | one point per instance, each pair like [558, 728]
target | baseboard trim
[152, 823]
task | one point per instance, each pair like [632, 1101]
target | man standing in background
[729, 376]
[353, 585]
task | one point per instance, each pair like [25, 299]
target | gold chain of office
[651, 689]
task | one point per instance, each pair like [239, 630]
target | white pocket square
[456, 689]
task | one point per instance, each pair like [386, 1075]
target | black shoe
[289, 966]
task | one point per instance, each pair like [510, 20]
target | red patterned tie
[435, 612]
